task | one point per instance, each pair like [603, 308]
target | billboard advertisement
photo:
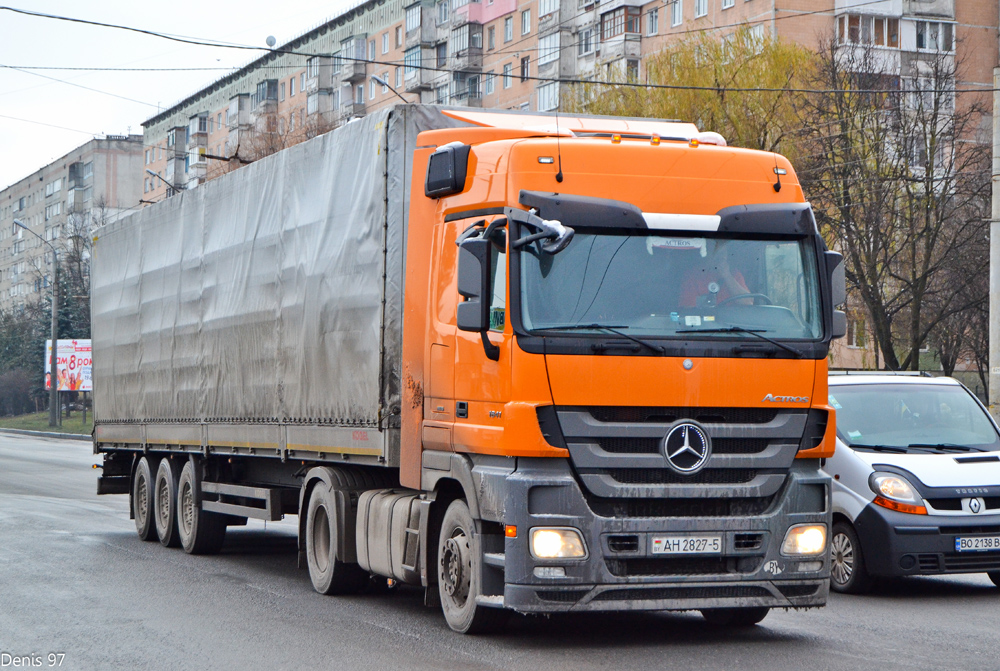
[74, 365]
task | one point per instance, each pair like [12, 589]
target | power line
[81, 86]
[50, 125]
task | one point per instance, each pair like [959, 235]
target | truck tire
[848, 573]
[328, 573]
[165, 504]
[735, 617]
[201, 532]
[142, 500]
[460, 573]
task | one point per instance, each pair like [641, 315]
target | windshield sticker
[709, 318]
[656, 242]
[692, 320]
[674, 317]
[834, 403]
[853, 435]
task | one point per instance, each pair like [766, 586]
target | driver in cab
[711, 280]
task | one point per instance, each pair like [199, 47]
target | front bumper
[900, 544]
[621, 573]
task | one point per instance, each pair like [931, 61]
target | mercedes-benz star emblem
[687, 447]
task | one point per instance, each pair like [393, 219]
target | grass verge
[39, 421]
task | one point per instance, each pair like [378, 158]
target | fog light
[809, 566]
[557, 543]
[550, 572]
[805, 539]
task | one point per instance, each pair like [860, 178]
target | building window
[676, 13]
[359, 94]
[700, 8]
[399, 76]
[935, 36]
[411, 61]
[653, 21]
[147, 157]
[726, 4]
[291, 92]
[385, 43]
[621, 20]
[88, 169]
[878, 30]
[525, 68]
[399, 36]
[312, 67]
[632, 70]
[548, 96]
[489, 83]
[546, 7]
[548, 49]
[507, 69]
[443, 12]
[585, 42]
[281, 97]
[412, 18]
[508, 29]
[526, 22]
[302, 82]
[491, 34]
[371, 50]
[441, 50]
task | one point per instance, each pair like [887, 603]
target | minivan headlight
[896, 493]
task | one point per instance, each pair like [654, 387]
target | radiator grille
[647, 476]
[668, 415]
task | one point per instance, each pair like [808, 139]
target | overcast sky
[33, 41]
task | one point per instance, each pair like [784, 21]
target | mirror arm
[492, 351]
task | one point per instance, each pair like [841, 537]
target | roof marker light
[616, 138]
[654, 140]
[547, 160]
[693, 142]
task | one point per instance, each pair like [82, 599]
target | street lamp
[170, 186]
[381, 82]
[55, 417]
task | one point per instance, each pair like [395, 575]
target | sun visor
[576, 210]
[769, 218]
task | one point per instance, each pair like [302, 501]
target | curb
[48, 434]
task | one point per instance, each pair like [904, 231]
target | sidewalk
[48, 434]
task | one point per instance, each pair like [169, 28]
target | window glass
[498, 293]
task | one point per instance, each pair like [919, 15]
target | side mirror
[838, 329]
[838, 279]
[474, 256]
[473, 279]
[447, 169]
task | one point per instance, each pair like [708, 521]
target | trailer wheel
[735, 617]
[165, 504]
[142, 500]
[328, 573]
[201, 532]
[460, 574]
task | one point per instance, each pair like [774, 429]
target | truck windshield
[683, 287]
[916, 418]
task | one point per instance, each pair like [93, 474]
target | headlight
[804, 539]
[895, 493]
[557, 543]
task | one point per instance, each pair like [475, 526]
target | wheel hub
[163, 501]
[142, 500]
[187, 509]
[456, 567]
[842, 559]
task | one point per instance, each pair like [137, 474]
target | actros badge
[687, 447]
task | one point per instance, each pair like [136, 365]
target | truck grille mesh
[652, 445]
[660, 476]
[667, 415]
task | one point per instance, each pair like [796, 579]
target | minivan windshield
[673, 285]
[912, 418]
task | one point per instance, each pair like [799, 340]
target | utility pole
[994, 373]
[55, 411]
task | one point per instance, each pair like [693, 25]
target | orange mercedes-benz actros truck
[530, 363]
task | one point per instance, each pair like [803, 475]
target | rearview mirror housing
[473, 279]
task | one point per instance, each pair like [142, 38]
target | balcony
[626, 45]
[468, 59]
[353, 71]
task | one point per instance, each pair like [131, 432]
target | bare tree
[892, 172]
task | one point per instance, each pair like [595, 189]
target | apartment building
[509, 54]
[93, 184]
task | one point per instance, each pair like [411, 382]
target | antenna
[559, 175]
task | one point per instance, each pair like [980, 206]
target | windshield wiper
[947, 447]
[753, 332]
[605, 327]
[879, 448]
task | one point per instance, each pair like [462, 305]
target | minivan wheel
[847, 562]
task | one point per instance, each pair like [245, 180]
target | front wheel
[847, 562]
[460, 574]
[735, 617]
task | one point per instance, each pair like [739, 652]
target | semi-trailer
[534, 363]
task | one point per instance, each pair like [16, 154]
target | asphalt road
[75, 580]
